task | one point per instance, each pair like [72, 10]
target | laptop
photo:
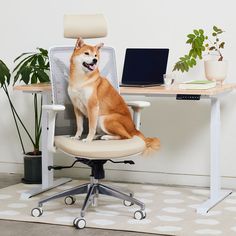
[144, 67]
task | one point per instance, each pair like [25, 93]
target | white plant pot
[216, 70]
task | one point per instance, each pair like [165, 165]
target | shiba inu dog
[94, 97]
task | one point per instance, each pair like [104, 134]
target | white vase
[216, 70]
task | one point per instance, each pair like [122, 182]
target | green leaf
[21, 68]
[196, 32]
[189, 41]
[191, 52]
[34, 61]
[23, 54]
[199, 52]
[4, 73]
[194, 54]
[201, 31]
[43, 51]
[193, 61]
[43, 77]
[215, 28]
[4, 68]
[186, 67]
[191, 36]
[186, 57]
[34, 79]
[214, 34]
[206, 45]
[2, 79]
[212, 48]
[27, 60]
[25, 75]
[222, 45]
[40, 61]
[196, 43]
[190, 63]
[202, 37]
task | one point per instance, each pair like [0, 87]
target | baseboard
[150, 177]
[131, 176]
[11, 167]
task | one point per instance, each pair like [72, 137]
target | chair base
[92, 190]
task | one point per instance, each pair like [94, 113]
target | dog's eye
[86, 53]
[96, 55]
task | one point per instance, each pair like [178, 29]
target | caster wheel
[70, 200]
[37, 212]
[79, 223]
[139, 215]
[127, 203]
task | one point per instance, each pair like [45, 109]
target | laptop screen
[144, 66]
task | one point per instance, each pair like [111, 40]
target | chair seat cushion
[100, 149]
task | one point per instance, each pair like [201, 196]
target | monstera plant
[31, 68]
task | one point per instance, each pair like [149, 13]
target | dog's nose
[95, 60]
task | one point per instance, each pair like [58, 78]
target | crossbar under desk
[214, 94]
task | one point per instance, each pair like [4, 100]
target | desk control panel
[187, 97]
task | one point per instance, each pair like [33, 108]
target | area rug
[170, 210]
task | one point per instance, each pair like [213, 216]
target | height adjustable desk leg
[48, 181]
[216, 193]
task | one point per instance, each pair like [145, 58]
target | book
[197, 84]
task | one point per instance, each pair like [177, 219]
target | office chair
[95, 154]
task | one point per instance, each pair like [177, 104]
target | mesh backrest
[59, 58]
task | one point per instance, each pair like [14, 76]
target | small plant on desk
[199, 43]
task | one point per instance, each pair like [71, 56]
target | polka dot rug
[170, 210]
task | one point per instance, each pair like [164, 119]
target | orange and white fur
[94, 97]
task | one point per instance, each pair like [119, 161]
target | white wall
[183, 127]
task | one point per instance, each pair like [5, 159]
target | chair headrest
[85, 26]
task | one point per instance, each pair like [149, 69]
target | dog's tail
[152, 144]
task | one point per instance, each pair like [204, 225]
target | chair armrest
[51, 118]
[137, 106]
[53, 107]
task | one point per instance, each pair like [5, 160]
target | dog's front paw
[87, 140]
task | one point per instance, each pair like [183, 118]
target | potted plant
[31, 68]
[216, 67]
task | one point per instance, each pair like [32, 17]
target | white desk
[214, 94]
[216, 193]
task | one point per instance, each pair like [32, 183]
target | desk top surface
[40, 87]
[161, 90]
[157, 90]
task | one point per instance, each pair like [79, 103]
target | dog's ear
[98, 46]
[80, 43]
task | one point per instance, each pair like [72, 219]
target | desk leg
[47, 159]
[216, 193]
